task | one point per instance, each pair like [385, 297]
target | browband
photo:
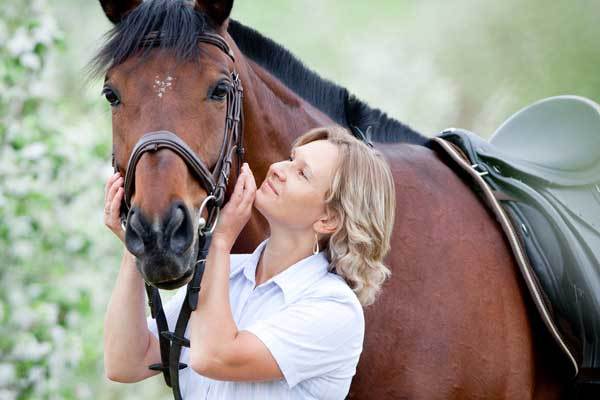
[154, 38]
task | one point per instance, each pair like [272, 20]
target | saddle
[540, 175]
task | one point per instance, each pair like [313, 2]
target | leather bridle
[215, 184]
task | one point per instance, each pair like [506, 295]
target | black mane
[179, 25]
[334, 100]
[175, 21]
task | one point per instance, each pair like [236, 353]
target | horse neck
[273, 115]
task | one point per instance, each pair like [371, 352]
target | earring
[316, 245]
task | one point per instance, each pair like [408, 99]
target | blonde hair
[362, 196]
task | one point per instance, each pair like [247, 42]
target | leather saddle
[540, 175]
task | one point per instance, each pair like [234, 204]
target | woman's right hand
[113, 194]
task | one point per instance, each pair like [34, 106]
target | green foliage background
[431, 64]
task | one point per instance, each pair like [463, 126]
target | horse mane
[179, 25]
[334, 100]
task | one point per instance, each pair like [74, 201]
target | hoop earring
[316, 245]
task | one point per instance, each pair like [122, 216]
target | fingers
[249, 188]
[245, 182]
[113, 190]
[112, 203]
[109, 182]
[115, 205]
[238, 190]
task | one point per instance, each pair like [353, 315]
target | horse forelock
[176, 22]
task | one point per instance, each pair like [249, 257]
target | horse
[454, 321]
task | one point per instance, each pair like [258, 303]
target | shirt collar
[294, 279]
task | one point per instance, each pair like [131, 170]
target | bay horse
[454, 321]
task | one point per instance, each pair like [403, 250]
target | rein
[214, 182]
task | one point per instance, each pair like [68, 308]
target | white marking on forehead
[161, 86]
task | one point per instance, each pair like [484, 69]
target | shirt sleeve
[314, 337]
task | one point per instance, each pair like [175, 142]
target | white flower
[20, 43]
[24, 319]
[34, 151]
[47, 313]
[23, 248]
[36, 374]
[46, 31]
[21, 226]
[83, 391]
[7, 374]
[28, 348]
[74, 244]
[30, 60]
[58, 334]
[6, 394]
[73, 319]
[34, 290]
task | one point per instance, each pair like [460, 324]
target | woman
[285, 321]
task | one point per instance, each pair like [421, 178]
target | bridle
[215, 184]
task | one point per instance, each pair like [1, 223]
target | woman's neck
[282, 250]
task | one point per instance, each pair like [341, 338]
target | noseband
[215, 184]
[215, 181]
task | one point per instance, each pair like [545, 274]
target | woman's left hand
[237, 211]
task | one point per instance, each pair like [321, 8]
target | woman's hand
[113, 194]
[237, 211]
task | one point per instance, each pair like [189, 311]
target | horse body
[454, 320]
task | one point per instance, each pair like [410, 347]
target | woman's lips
[272, 187]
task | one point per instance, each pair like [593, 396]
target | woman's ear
[327, 224]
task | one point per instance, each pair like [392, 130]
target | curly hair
[362, 196]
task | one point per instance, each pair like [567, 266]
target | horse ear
[217, 10]
[115, 10]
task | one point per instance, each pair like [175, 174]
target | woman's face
[293, 192]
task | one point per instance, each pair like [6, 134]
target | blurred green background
[431, 64]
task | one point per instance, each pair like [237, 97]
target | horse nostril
[180, 229]
[134, 234]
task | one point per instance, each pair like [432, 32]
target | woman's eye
[111, 96]
[291, 159]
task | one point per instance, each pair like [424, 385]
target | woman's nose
[277, 171]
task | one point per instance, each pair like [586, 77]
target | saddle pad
[553, 231]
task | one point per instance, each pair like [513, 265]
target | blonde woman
[287, 320]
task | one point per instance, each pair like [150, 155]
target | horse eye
[111, 96]
[220, 91]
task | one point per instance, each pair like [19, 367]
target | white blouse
[308, 318]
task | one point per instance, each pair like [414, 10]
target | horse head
[170, 75]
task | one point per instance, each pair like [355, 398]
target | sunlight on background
[430, 64]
